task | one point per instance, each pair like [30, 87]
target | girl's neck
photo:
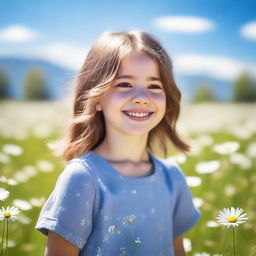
[123, 149]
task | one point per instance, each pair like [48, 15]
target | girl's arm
[58, 246]
[178, 246]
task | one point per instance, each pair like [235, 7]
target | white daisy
[9, 214]
[240, 131]
[3, 179]
[212, 224]
[42, 131]
[231, 217]
[251, 150]
[12, 149]
[198, 202]
[22, 204]
[242, 160]
[21, 176]
[45, 166]
[30, 171]
[24, 219]
[3, 194]
[226, 148]
[205, 140]
[207, 167]
[12, 182]
[11, 244]
[187, 244]
[179, 159]
[202, 254]
[196, 149]
[4, 158]
[37, 202]
[193, 181]
[230, 190]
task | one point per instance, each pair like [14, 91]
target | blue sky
[203, 37]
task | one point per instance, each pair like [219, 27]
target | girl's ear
[98, 107]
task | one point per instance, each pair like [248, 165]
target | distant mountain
[59, 79]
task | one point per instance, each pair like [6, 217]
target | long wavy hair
[86, 128]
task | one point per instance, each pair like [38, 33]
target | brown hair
[86, 129]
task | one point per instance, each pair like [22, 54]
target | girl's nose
[140, 98]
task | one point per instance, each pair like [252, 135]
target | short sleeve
[68, 210]
[186, 214]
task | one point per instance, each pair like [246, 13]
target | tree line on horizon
[34, 87]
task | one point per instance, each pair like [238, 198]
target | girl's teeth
[138, 114]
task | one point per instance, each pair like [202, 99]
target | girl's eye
[155, 86]
[124, 85]
[128, 85]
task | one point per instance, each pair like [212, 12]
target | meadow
[219, 175]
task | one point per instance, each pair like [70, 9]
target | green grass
[213, 240]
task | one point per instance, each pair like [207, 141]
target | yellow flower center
[7, 214]
[232, 219]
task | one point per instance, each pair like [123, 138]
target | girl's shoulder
[77, 169]
[86, 165]
[170, 168]
[173, 174]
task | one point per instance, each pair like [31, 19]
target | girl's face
[136, 100]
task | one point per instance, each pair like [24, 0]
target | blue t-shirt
[105, 213]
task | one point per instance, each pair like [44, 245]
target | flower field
[220, 170]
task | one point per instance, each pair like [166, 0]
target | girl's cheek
[113, 97]
[120, 95]
[159, 97]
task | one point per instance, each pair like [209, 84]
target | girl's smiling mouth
[138, 116]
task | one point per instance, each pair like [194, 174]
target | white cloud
[62, 54]
[218, 67]
[248, 31]
[183, 24]
[17, 34]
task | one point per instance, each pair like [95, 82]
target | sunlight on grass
[220, 170]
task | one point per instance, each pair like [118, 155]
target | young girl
[115, 197]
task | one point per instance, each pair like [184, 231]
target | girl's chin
[136, 132]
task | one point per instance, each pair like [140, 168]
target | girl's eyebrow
[151, 78]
